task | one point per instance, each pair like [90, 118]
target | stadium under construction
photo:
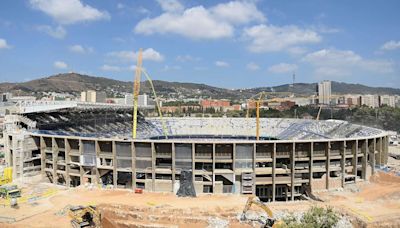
[79, 145]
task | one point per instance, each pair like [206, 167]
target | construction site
[104, 165]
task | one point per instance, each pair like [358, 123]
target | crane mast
[136, 90]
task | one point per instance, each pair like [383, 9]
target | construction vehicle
[10, 192]
[266, 222]
[6, 176]
[85, 216]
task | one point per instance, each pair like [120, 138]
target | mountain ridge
[75, 83]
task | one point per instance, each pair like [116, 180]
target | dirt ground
[392, 162]
[376, 203]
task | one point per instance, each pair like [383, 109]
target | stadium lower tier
[274, 170]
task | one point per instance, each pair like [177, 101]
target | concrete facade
[274, 170]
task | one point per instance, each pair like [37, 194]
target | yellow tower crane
[136, 90]
[258, 102]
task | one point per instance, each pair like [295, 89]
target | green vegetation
[315, 217]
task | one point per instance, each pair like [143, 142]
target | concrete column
[328, 163]
[173, 166]
[193, 161]
[54, 148]
[386, 150]
[379, 151]
[97, 150]
[373, 156]
[234, 167]
[133, 165]
[273, 173]
[292, 170]
[43, 154]
[67, 162]
[311, 164]
[355, 160]
[115, 174]
[254, 167]
[153, 167]
[80, 165]
[213, 166]
[234, 159]
[364, 150]
[343, 162]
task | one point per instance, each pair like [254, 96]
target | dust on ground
[374, 204]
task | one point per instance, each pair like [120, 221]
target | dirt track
[376, 203]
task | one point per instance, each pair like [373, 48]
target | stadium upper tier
[118, 123]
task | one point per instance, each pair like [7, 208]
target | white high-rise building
[387, 100]
[93, 96]
[370, 100]
[143, 100]
[324, 92]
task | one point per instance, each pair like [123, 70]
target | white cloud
[69, 11]
[79, 49]
[332, 62]
[171, 68]
[3, 44]
[171, 5]
[187, 58]
[221, 64]
[282, 68]
[60, 65]
[196, 23]
[106, 67]
[252, 66]
[57, 32]
[296, 51]
[143, 10]
[120, 6]
[238, 12]
[321, 28]
[129, 56]
[269, 38]
[390, 45]
[199, 22]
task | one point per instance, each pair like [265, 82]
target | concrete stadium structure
[75, 146]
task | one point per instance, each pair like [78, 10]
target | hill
[75, 83]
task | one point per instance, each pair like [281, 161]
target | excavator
[6, 176]
[267, 222]
[85, 216]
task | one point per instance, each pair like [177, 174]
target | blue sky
[232, 44]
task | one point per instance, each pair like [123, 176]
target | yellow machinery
[136, 91]
[268, 222]
[10, 191]
[6, 176]
[258, 102]
[85, 216]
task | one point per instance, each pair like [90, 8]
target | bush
[315, 217]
